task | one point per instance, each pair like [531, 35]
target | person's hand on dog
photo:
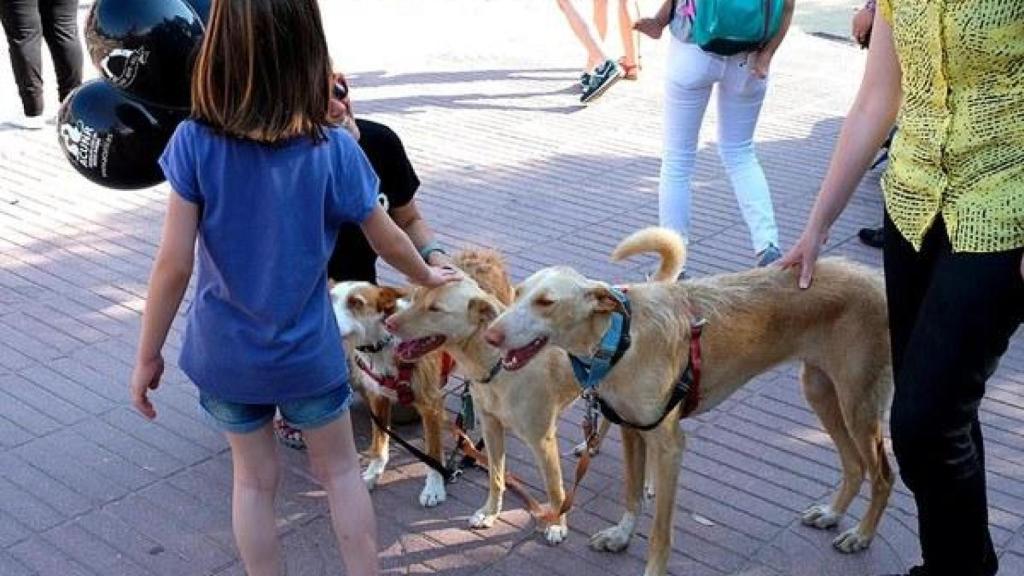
[439, 276]
[440, 259]
[805, 253]
[146, 377]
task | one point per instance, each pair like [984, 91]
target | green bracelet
[429, 249]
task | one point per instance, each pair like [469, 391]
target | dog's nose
[494, 337]
[390, 323]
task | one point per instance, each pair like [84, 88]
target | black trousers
[951, 317]
[26, 23]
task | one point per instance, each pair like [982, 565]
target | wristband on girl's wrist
[429, 249]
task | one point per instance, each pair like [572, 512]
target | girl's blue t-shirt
[260, 329]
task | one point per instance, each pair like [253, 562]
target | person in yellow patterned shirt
[952, 74]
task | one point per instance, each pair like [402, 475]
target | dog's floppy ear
[355, 302]
[482, 311]
[604, 300]
[387, 302]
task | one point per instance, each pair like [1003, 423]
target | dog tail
[664, 242]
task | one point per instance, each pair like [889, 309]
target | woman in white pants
[690, 76]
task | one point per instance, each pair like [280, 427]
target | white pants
[690, 75]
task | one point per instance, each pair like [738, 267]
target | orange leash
[539, 511]
[512, 482]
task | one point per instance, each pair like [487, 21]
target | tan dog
[755, 320]
[526, 402]
[360, 309]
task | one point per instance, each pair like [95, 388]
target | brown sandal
[629, 71]
[288, 435]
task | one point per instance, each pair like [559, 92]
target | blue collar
[591, 371]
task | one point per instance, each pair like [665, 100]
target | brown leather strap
[512, 482]
[583, 465]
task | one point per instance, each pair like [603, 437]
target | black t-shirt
[353, 259]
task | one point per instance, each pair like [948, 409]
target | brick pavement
[478, 90]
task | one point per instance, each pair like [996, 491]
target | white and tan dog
[360, 309]
[755, 320]
[526, 402]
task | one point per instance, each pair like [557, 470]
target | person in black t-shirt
[353, 258]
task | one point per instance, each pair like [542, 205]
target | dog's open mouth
[516, 359]
[410, 350]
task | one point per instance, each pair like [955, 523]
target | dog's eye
[433, 308]
[543, 302]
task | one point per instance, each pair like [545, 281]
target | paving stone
[58, 496]
[42, 559]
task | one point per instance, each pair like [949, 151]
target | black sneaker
[584, 81]
[874, 237]
[769, 255]
[601, 79]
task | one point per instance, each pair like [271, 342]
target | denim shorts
[302, 413]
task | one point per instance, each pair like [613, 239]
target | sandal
[288, 435]
[629, 71]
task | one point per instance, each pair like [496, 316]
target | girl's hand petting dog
[439, 276]
[146, 377]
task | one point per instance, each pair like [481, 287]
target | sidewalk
[480, 92]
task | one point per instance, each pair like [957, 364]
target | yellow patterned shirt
[959, 151]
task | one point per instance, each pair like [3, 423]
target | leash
[466, 420]
[450, 474]
[450, 471]
[583, 464]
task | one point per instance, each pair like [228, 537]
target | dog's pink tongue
[405, 348]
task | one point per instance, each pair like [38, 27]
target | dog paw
[555, 534]
[482, 518]
[851, 541]
[613, 539]
[821, 516]
[373, 472]
[649, 491]
[433, 491]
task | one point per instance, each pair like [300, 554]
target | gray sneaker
[601, 79]
[768, 255]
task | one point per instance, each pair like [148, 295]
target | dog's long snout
[494, 337]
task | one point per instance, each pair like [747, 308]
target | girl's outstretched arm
[395, 247]
[167, 284]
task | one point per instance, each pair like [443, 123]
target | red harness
[693, 395]
[401, 383]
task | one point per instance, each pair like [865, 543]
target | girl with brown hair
[263, 181]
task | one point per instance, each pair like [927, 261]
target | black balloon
[113, 139]
[202, 7]
[146, 47]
